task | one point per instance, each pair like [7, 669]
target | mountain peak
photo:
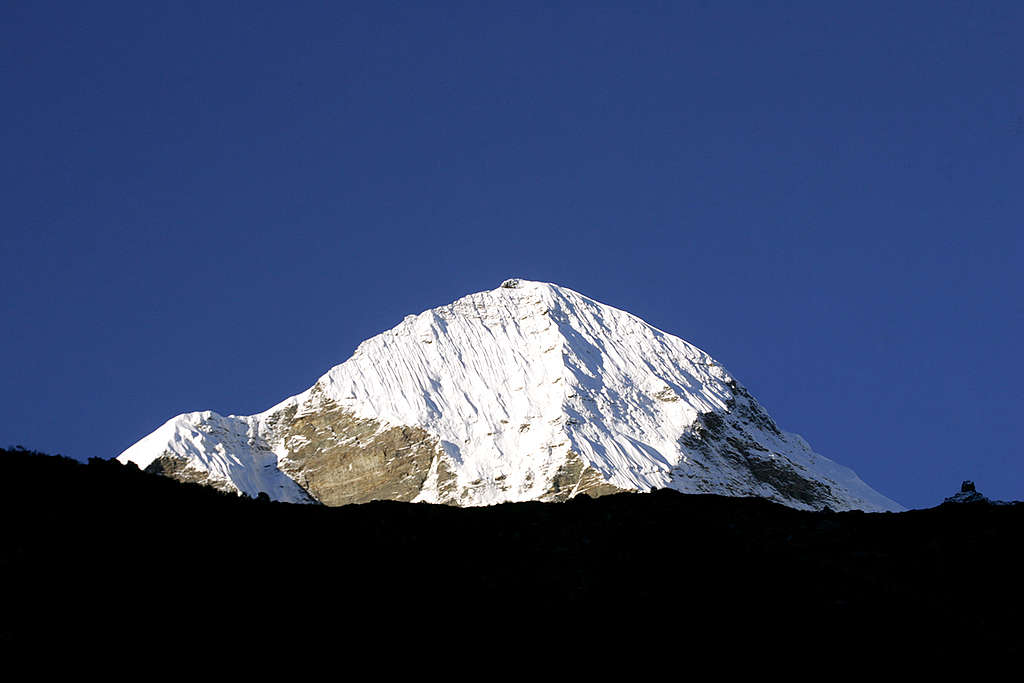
[530, 391]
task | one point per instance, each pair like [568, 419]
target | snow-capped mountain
[530, 391]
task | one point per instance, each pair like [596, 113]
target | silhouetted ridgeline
[106, 552]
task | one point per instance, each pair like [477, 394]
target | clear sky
[206, 205]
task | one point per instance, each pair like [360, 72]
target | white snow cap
[513, 379]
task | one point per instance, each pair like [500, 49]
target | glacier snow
[514, 380]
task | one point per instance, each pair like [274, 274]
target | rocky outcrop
[969, 494]
[575, 478]
[340, 459]
[179, 469]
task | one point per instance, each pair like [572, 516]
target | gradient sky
[206, 205]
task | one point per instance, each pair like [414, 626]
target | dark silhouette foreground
[109, 554]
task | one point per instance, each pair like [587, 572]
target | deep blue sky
[206, 205]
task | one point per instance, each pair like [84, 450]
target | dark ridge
[109, 554]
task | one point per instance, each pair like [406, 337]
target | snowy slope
[222, 451]
[521, 391]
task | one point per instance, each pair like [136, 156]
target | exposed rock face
[340, 459]
[574, 478]
[727, 442]
[179, 468]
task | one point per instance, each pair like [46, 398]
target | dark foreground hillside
[108, 554]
